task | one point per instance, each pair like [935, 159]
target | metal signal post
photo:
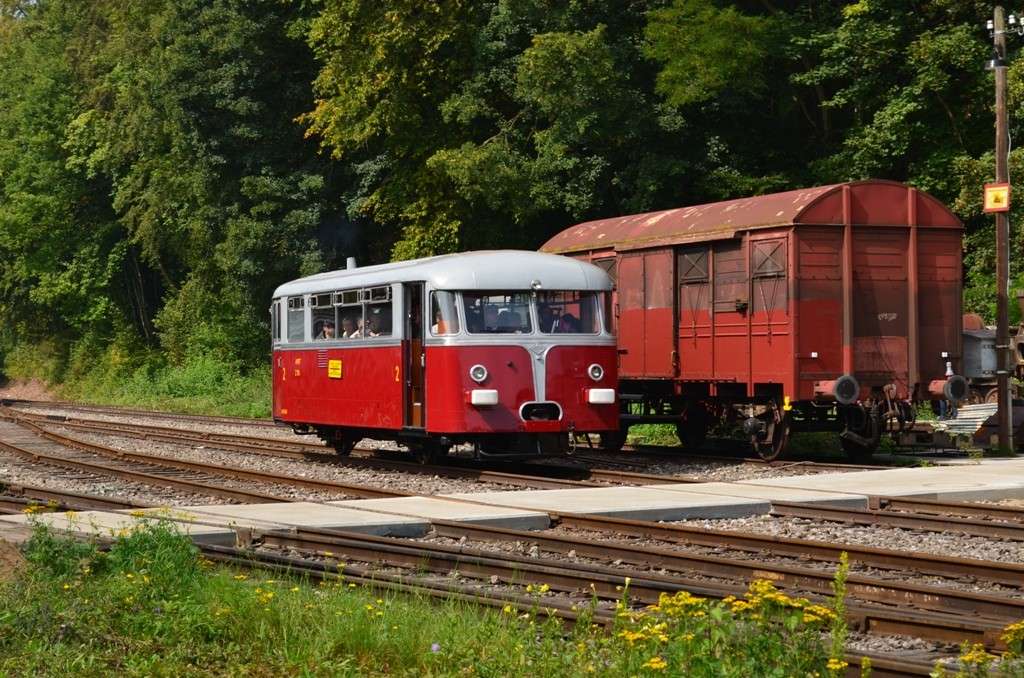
[998, 31]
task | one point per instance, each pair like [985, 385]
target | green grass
[135, 377]
[151, 606]
[201, 386]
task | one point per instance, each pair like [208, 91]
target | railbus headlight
[478, 373]
[596, 372]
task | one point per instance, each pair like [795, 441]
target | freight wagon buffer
[828, 308]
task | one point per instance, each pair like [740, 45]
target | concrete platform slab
[111, 524]
[302, 514]
[639, 503]
[433, 508]
[773, 494]
[941, 483]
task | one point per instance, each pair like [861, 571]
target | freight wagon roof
[490, 270]
[872, 202]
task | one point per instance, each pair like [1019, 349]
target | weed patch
[152, 605]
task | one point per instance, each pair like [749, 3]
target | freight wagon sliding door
[732, 355]
[770, 341]
[695, 349]
[939, 310]
[880, 306]
[646, 323]
[819, 306]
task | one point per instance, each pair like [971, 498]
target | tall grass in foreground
[152, 605]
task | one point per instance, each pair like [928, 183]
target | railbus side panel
[359, 387]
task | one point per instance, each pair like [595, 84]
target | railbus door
[412, 344]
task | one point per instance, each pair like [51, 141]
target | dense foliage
[163, 165]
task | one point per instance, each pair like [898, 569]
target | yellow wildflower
[977, 655]
[655, 664]
[836, 664]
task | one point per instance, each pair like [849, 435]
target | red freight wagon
[510, 351]
[828, 308]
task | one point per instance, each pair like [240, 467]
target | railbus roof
[485, 270]
[872, 202]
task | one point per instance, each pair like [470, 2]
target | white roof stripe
[487, 270]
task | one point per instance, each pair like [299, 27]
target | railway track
[542, 476]
[893, 512]
[992, 529]
[123, 411]
[884, 666]
[940, 614]
[938, 623]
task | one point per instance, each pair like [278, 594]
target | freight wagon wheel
[856, 452]
[774, 440]
[975, 397]
[692, 431]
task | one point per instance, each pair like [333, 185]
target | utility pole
[1002, 237]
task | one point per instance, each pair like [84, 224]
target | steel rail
[871, 589]
[872, 618]
[141, 476]
[217, 469]
[122, 411]
[926, 563]
[77, 501]
[913, 521]
[310, 451]
[965, 509]
[937, 626]
[674, 453]
[882, 666]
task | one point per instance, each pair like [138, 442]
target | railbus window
[568, 312]
[275, 321]
[377, 305]
[349, 306]
[296, 319]
[323, 317]
[444, 319]
[497, 312]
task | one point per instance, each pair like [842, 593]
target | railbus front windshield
[514, 312]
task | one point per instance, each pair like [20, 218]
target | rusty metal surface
[911, 521]
[966, 509]
[871, 204]
[1004, 573]
[884, 666]
[940, 614]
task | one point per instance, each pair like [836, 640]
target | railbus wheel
[343, 446]
[612, 441]
[429, 451]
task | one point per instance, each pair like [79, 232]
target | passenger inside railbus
[349, 327]
[326, 331]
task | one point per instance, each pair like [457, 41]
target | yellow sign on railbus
[997, 197]
[334, 369]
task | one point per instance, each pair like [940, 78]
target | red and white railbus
[510, 351]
